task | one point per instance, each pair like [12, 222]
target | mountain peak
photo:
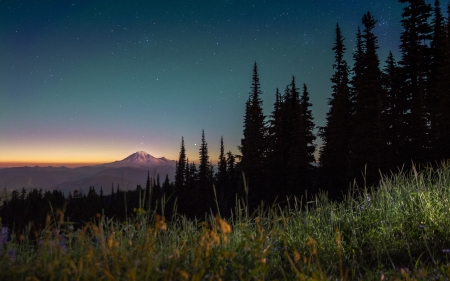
[142, 158]
[140, 154]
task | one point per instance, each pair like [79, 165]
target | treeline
[379, 119]
[382, 119]
[201, 189]
[36, 207]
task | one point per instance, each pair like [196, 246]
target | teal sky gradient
[94, 81]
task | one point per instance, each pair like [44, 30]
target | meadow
[398, 230]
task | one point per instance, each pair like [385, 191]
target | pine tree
[292, 137]
[187, 176]
[309, 126]
[276, 141]
[232, 174]
[334, 153]
[221, 179]
[367, 141]
[148, 191]
[166, 185]
[191, 176]
[253, 145]
[415, 64]
[301, 149]
[443, 95]
[395, 109]
[221, 175]
[357, 70]
[180, 168]
[308, 138]
[204, 178]
[437, 83]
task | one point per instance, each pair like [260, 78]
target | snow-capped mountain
[139, 159]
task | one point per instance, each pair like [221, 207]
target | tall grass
[399, 230]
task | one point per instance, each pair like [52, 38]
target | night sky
[93, 82]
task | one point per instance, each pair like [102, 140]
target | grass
[399, 230]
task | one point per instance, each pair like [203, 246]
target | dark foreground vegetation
[399, 230]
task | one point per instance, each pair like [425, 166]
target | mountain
[140, 159]
[126, 173]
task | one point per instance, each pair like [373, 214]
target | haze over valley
[126, 173]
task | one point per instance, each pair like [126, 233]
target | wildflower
[446, 251]
[214, 237]
[421, 226]
[63, 244]
[160, 223]
[139, 211]
[184, 275]
[296, 256]
[110, 241]
[4, 236]
[223, 225]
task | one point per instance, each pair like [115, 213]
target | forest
[382, 118]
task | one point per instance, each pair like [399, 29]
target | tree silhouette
[415, 64]
[205, 177]
[180, 168]
[440, 82]
[334, 153]
[443, 139]
[253, 145]
[221, 179]
[395, 107]
[368, 139]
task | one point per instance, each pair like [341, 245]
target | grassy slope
[401, 229]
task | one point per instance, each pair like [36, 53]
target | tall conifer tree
[180, 179]
[221, 175]
[291, 150]
[415, 64]
[301, 156]
[276, 142]
[204, 178]
[253, 145]
[180, 168]
[221, 178]
[443, 95]
[334, 153]
[368, 139]
[395, 109]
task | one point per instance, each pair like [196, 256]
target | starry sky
[88, 81]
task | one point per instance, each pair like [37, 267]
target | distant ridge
[130, 171]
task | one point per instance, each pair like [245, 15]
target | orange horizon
[16, 164]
